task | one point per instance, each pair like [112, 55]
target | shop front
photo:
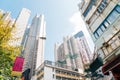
[114, 66]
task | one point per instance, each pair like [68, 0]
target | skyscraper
[73, 52]
[20, 26]
[34, 49]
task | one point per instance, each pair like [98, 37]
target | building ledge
[112, 54]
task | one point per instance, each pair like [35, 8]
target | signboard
[17, 66]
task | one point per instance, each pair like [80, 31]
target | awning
[109, 66]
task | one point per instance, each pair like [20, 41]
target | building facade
[74, 52]
[6, 18]
[102, 18]
[51, 71]
[20, 27]
[34, 48]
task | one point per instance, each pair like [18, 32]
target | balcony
[59, 65]
[92, 2]
[111, 47]
[100, 7]
[68, 76]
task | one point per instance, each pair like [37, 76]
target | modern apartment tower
[102, 18]
[20, 26]
[73, 52]
[34, 49]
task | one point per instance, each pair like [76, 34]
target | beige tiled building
[102, 18]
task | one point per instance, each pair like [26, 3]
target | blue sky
[62, 18]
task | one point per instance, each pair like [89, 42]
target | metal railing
[111, 45]
[56, 64]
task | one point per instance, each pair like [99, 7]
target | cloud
[79, 25]
[75, 20]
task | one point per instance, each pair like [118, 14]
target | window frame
[106, 21]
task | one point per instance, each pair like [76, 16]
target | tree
[74, 56]
[7, 52]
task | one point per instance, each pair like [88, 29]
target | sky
[62, 18]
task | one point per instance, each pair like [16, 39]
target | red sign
[18, 64]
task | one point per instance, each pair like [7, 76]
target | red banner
[18, 64]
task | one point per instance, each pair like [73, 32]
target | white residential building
[20, 26]
[34, 48]
[74, 52]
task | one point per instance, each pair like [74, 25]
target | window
[99, 9]
[103, 27]
[102, 6]
[53, 75]
[96, 35]
[100, 52]
[118, 9]
[113, 45]
[117, 42]
[105, 51]
[106, 24]
[112, 17]
[109, 20]
[109, 48]
[99, 31]
[52, 69]
[89, 8]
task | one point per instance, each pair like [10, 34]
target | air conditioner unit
[105, 44]
[119, 36]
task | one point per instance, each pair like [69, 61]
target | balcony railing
[111, 45]
[103, 4]
[54, 64]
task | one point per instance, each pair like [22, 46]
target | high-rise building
[6, 18]
[102, 18]
[20, 26]
[34, 48]
[74, 52]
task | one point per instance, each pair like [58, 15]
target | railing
[103, 4]
[55, 64]
[111, 45]
[67, 76]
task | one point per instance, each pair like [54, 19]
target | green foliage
[7, 52]
[74, 56]
[87, 70]
[62, 62]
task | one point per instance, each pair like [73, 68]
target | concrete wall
[48, 73]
